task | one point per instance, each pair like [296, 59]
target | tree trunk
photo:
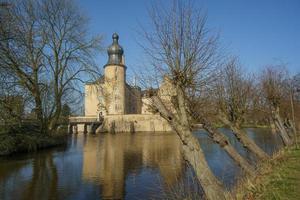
[293, 124]
[282, 131]
[249, 143]
[39, 112]
[272, 126]
[245, 140]
[221, 139]
[55, 118]
[57, 94]
[193, 153]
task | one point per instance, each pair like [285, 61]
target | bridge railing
[83, 119]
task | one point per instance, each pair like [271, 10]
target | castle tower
[115, 78]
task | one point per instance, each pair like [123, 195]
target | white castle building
[125, 108]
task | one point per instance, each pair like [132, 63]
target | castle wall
[91, 100]
[135, 123]
[115, 87]
[146, 102]
[133, 100]
[166, 92]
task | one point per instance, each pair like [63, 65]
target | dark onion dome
[115, 51]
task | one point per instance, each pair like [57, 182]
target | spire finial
[115, 37]
[115, 51]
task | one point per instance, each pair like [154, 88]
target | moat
[120, 166]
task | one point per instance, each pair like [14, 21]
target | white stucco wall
[91, 100]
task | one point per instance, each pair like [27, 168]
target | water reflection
[44, 174]
[99, 167]
[265, 139]
[108, 160]
[25, 180]
[121, 166]
[222, 165]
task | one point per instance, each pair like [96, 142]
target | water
[121, 166]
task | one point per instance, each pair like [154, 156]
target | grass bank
[28, 140]
[278, 179]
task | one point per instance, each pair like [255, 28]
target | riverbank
[279, 178]
[28, 141]
[243, 126]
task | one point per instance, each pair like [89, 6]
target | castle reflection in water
[96, 167]
[110, 159]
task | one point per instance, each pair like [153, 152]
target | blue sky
[259, 32]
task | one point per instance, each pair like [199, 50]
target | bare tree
[233, 98]
[273, 91]
[46, 46]
[295, 104]
[291, 104]
[181, 48]
[70, 50]
[21, 49]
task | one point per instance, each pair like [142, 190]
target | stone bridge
[90, 124]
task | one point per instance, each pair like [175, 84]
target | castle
[123, 107]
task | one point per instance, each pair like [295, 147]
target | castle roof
[115, 51]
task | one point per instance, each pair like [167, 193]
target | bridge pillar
[85, 128]
[75, 129]
[90, 129]
[70, 129]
